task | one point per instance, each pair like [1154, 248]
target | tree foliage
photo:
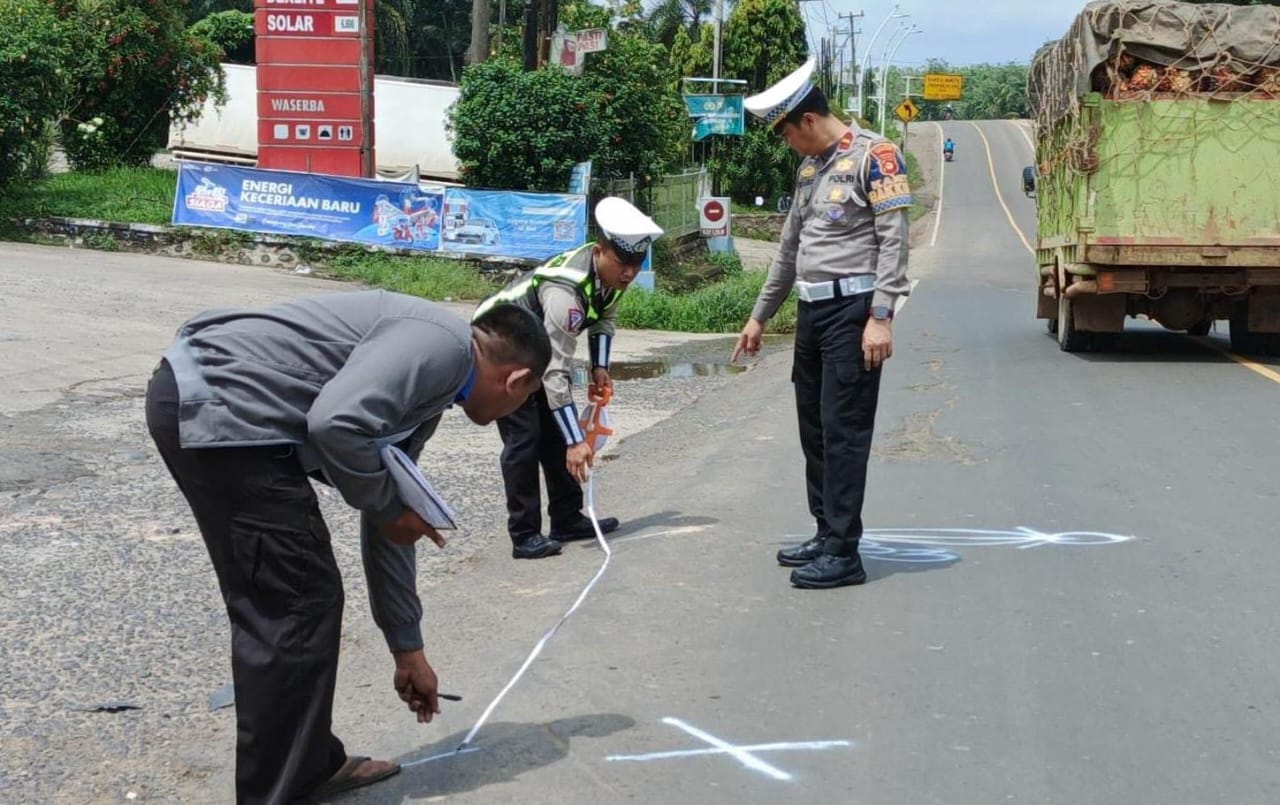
[991, 91]
[33, 84]
[137, 66]
[232, 32]
[515, 129]
[762, 42]
[668, 18]
[521, 130]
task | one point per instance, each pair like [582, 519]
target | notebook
[416, 491]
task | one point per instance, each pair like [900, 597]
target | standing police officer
[577, 290]
[844, 250]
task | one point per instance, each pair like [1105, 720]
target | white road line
[942, 183]
[1023, 131]
[774, 747]
[739, 753]
[995, 184]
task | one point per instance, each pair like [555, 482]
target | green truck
[1157, 181]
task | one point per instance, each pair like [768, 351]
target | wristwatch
[882, 313]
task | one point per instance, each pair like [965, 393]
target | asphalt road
[1098, 630]
[1069, 601]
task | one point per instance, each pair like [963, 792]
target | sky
[994, 31]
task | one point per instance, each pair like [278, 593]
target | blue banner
[536, 226]
[715, 114]
[397, 214]
[580, 179]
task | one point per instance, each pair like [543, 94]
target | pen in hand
[408, 689]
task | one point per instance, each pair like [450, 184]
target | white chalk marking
[931, 544]
[670, 532]
[774, 747]
[459, 751]
[537, 649]
[739, 754]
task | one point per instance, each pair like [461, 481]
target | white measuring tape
[537, 649]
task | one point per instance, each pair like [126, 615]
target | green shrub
[33, 85]
[721, 307]
[231, 31]
[136, 68]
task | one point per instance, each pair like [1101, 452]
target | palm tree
[668, 16]
[392, 48]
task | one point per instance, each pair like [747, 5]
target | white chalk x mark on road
[935, 545]
[746, 755]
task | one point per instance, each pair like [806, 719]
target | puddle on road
[645, 370]
[703, 358]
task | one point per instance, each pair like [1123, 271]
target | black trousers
[836, 400]
[531, 438]
[270, 549]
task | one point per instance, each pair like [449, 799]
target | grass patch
[916, 177]
[133, 195]
[719, 307]
[688, 273]
[427, 277]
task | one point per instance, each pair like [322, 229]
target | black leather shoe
[582, 529]
[802, 554]
[829, 571]
[535, 547]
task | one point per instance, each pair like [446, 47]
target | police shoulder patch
[887, 185]
[575, 319]
[887, 159]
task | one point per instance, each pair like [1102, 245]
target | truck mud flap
[1099, 314]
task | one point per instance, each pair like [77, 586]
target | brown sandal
[346, 780]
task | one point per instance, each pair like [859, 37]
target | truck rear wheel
[1202, 327]
[1069, 340]
[1245, 341]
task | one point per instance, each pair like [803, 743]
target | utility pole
[823, 71]
[502, 21]
[854, 30]
[479, 32]
[529, 46]
[837, 65]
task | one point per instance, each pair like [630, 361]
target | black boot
[535, 547]
[829, 570]
[802, 554]
[581, 529]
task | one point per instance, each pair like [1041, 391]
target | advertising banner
[535, 226]
[397, 214]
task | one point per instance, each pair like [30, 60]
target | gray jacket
[338, 376]
[849, 217]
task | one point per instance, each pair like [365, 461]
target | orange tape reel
[595, 421]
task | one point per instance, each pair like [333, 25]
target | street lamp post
[884, 70]
[860, 108]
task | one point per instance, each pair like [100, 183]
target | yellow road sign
[943, 86]
[907, 111]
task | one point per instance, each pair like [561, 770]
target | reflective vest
[573, 269]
